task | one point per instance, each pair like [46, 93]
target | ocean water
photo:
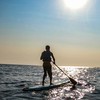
[13, 78]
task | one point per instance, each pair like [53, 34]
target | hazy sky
[26, 26]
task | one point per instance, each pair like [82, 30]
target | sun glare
[75, 4]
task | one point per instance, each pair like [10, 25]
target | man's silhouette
[47, 57]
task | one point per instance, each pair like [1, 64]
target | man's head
[47, 47]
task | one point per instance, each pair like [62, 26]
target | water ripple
[14, 77]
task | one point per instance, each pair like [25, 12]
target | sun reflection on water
[71, 70]
[81, 75]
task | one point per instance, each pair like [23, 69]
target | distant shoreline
[21, 65]
[28, 65]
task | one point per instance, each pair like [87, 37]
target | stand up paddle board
[46, 87]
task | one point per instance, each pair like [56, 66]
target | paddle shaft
[71, 79]
[62, 71]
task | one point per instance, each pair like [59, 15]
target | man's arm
[41, 57]
[53, 58]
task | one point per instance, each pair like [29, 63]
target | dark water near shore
[13, 78]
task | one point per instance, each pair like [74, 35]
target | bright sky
[73, 31]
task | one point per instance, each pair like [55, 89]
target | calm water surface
[13, 78]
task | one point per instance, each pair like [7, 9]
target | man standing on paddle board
[47, 56]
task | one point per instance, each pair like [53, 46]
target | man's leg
[50, 78]
[44, 75]
[50, 73]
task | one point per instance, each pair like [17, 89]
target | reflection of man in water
[47, 57]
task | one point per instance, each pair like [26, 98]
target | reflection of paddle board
[46, 87]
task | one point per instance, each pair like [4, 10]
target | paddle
[71, 79]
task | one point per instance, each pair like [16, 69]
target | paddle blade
[73, 81]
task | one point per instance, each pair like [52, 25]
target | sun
[75, 4]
